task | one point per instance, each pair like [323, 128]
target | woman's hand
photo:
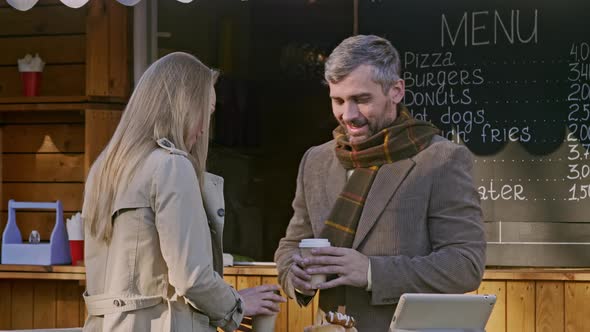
[261, 300]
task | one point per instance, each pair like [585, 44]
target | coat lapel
[214, 203]
[213, 200]
[388, 179]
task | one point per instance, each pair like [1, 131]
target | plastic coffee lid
[314, 243]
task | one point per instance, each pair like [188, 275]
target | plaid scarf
[404, 139]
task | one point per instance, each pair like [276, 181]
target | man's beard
[359, 122]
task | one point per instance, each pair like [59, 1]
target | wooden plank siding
[46, 150]
[289, 311]
[45, 157]
[70, 194]
[68, 304]
[6, 304]
[30, 118]
[50, 20]
[523, 303]
[550, 307]
[22, 306]
[120, 55]
[59, 49]
[56, 80]
[107, 53]
[520, 299]
[577, 307]
[66, 138]
[58, 34]
[44, 295]
[41, 161]
[497, 321]
[98, 135]
[98, 48]
[282, 322]
[28, 304]
[54, 167]
[539, 306]
[43, 139]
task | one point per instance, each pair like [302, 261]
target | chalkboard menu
[510, 79]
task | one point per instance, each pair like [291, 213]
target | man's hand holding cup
[304, 282]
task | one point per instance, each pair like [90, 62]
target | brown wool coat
[421, 227]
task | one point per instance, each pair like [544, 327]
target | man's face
[361, 107]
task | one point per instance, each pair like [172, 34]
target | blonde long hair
[172, 95]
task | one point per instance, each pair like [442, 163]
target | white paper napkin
[75, 227]
[31, 63]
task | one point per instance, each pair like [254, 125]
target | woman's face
[197, 128]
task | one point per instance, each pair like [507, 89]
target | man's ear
[397, 91]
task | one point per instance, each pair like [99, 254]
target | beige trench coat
[163, 269]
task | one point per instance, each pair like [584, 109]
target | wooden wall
[43, 153]
[57, 33]
[522, 306]
[108, 49]
[42, 160]
[27, 304]
[292, 317]
[47, 150]
[538, 306]
[530, 301]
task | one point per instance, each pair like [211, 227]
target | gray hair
[364, 50]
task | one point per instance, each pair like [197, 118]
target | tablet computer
[442, 313]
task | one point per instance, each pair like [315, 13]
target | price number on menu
[579, 192]
[575, 153]
[580, 64]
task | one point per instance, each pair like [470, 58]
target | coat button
[221, 212]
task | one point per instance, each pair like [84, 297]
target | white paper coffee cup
[264, 323]
[305, 247]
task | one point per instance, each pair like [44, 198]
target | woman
[154, 217]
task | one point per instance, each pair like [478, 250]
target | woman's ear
[397, 91]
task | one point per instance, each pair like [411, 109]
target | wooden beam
[97, 48]
[100, 126]
[68, 308]
[119, 74]
[107, 68]
[549, 307]
[497, 321]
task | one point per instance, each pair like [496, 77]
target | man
[395, 199]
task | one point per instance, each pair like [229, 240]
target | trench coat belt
[104, 304]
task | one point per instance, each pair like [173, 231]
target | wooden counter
[66, 272]
[34, 272]
[541, 300]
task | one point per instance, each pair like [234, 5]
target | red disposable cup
[77, 251]
[31, 82]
